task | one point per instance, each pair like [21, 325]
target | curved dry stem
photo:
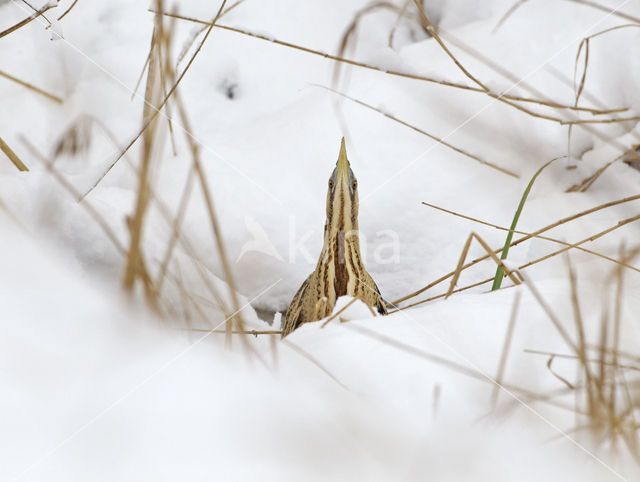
[351, 29]
[66, 12]
[541, 97]
[508, 14]
[401, 14]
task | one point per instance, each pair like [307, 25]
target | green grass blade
[497, 280]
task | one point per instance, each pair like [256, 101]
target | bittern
[340, 270]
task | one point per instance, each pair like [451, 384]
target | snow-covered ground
[96, 387]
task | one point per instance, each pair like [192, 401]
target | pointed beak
[342, 165]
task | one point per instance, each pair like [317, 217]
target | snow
[95, 387]
[161, 404]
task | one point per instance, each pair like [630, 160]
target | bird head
[342, 196]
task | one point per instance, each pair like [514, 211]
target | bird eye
[354, 185]
[330, 183]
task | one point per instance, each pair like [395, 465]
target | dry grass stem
[609, 403]
[313, 360]
[338, 313]
[13, 157]
[401, 13]
[556, 375]
[579, 85]
[76, 195]
[586, 183]
[4, 208]
[136, 221]
[215, 226]
[239, 332]
[577, 357]
[508, 14]
[456, 367]
[490, 253]
[31, 87]
[176, 227]
[581, 342]
[502, 364]
[350, 31]
[66, 12]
